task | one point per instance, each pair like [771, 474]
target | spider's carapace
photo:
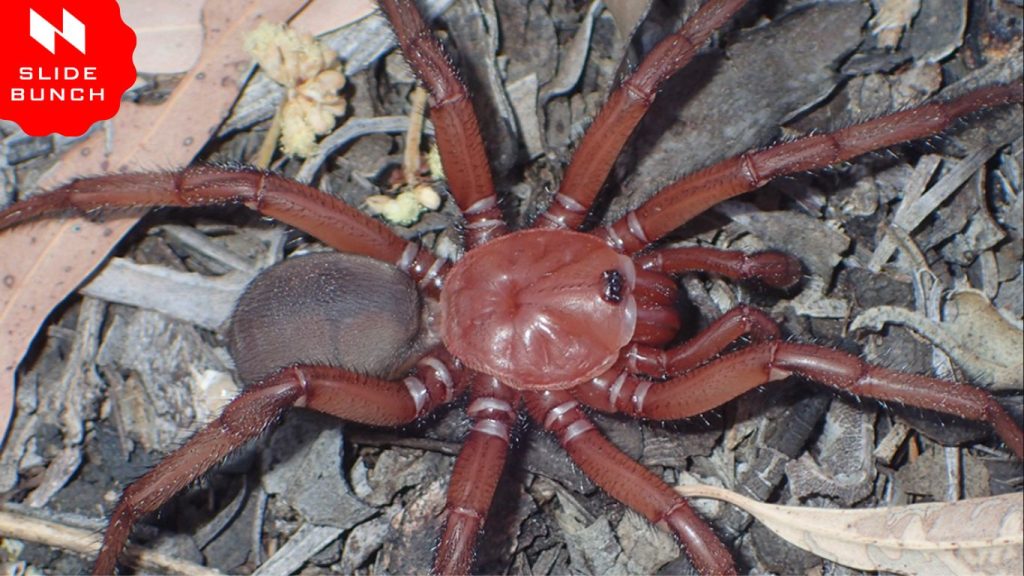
[540, 309]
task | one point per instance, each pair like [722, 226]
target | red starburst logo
[66, 65]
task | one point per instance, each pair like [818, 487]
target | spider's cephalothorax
[547, 321]
[533, 309]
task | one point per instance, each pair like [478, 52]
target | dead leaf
[973, 333]
[627, 14]
[170, 34]
[976, 536]
[891, 18]
[54, 256]
[321, 16]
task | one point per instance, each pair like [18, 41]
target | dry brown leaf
[170, 34]
[321, 16]
[973, 333]
[54, 256]
[627, 14]
[891, 18]
[976, 536]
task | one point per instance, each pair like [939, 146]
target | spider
[549, 321]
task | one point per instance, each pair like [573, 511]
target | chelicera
[547, 321]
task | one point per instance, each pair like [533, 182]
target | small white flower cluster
[414, 198]
[405, 208]
[312, 75]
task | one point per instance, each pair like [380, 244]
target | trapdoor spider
[550, 321]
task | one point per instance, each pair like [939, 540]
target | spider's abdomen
[328, 309]
[539, 309]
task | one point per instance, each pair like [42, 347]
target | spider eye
[612, 286]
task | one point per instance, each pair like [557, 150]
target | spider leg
[676, 204]
[353, 397]
[478, 468]
[626, 106]
[455, 124]
[740, 321]
[335, 391]
[337, 224]
[245, 418]
[657, 317]
[626, 480]
[656, 293]
[776, 269]
[719, 381]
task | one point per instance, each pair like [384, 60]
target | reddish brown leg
[741, 321]
[332, 221]
[657, 314]
[776, 269]
[656, 293]
[334, 391]
[626, 480]
[359, 398]
[626, 106]
[718, 382]
[242, 420]
[678, 203]
[455, 125]
[492, 407]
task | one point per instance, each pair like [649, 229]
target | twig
[269, 144]
[411, 156]
[86, 543]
